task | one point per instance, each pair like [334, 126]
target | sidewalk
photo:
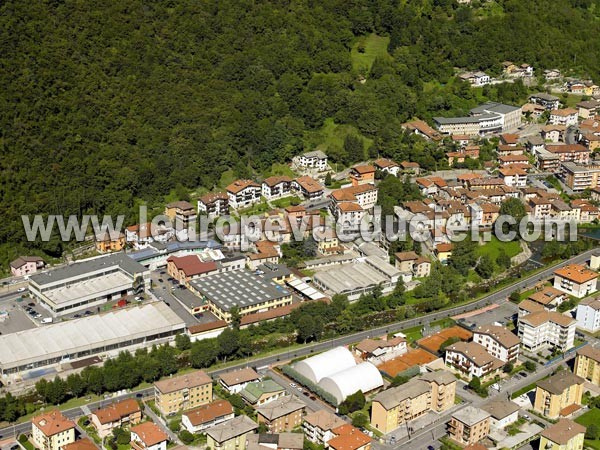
[161, 423]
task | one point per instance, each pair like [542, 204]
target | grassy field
[492, 248]
[331, 137]
[571, 100]
[413, 334]
[523, 390]
[374, 46]
[227, 178]
[279, 169]
[587, 419]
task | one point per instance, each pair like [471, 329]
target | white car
[21, 290]
[293, 385]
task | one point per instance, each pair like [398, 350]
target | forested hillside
[107, 104]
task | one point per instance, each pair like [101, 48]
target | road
[346, 340]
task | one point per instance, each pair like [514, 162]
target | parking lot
[503, 314]
[18, 319]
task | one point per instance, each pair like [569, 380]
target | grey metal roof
[239, 288]
[544, 96]
[453, 120]
[494, 107]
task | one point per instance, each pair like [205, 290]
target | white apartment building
[513, 177]
[576, 280]
[498, 341]
[588, 314]
[243, 193]
[472, 359]
[543, 329]
[314, 160]
[566, 116]
[318, 426]
[276, 187]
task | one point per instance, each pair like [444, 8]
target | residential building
[559, 395]
[433, 391]
[88, 283]
[513, 177]
[347, 437]
[472, 359]
[188, 267]
[502, 413]
[148, 436]
[110, 241]
[308, 188]
[143, 234]
[544, 329]
[81, 444]
[587, 364]
[566, 116]
[230, 435]
[243, 193]
[314, 160]
[242, 289]
[588, 314]
[181, 213]
[26, 265]
[280, 441]
[498, 342]
[553, 133]
[236, 380]
[363, 174]
[579, 177]
[276, 187]
[563, 435]
[207, 416]
[183, 392]
[283, 414]
[491, 117]
[387, 166]
[214, 204]
[469, 425]
[588, 108]
[262, 392]
[421, 128]
[548, 297]
[318, 426]
[576, 280]
[105, 420]
[475, 78]
[380, 350]
[409, 167]
[52, 430]
[576, 153]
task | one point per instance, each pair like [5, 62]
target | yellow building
[183, 392]
[433, 391]
[587, 364]
[230, 435]
[110, 242]
[564, 435]
[559, 395]
[52, 431]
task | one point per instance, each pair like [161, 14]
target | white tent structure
[320, 366]
[364, 377]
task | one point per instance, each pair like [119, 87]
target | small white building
[207, 416]
[566, 116]
[237, 380]
[502, 413]
[498, 341]
[576, 280]
[544, 329]
[588, 314]
[314, 160]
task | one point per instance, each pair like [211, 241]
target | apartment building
[548, 297]
[498, 342]
[183, 392]
[231, 434]
[559, 395]
[214, 204]
[544, 329]
[502, 413]
[318, 426]
[283, 414]
[207, 416]
[513, 176]
[52, 430]
[262, 392]
[314, 160]
[105, 420]
[588, 314]
[576, 153]
[563, 435]
[434, 391]
[276, 187]
[181, 213]
[472, 359]
[576, 280]
[148, 436]
[188, 267]
[587, 364]
[364, 195]
[243, 193]
[588, 108]
[280, 441]
[579, 177]
[540, 207]
[236, 380]
[469, 425]
[363, 174]
[565, 116]
[548, 101]
[308, 188]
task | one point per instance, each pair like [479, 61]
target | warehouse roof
[238, 288]
[73, 336]
[364, 377]
[319, 366]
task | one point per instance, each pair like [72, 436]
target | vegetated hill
[105, 104]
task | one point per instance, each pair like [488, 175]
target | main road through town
[498, 296]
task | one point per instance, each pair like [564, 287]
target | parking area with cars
[17, 316]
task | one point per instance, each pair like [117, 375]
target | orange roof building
[147, 435]
[207, 416]
[576, 280]
[348, 437]
[52, 430]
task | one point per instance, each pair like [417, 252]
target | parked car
[293, 385]
[21, 289]
[31, 304]
[88, 313]
[77, 316]
[523, 374]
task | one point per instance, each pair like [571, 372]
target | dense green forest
[108, 104]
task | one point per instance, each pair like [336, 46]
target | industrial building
[89, 283]
[75, 339]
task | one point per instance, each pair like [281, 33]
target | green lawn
[492, 248]
[571, 100]
[330, 138]
[227, 178]
[587, 419]
[286, 201]
[279, 169]
[523, 390]
[374, 46]
[413, 334]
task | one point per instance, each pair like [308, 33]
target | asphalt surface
[498, 296]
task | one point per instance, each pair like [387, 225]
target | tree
[354, 148]
[204, 353]
[309, 327]
[236, 317]
[186, 437]
[75, 384]
[529, 366]
[514, 208]
[515, 296]
[508, 367]
[448, 342]
[353, 402]
[399, 380]
[360, 420]
[328, 179]
[182, 341]
[175, 425]
[463, 256]
[485, 267]
[591, 432]
[475, 383]
[228, 342]
[121, 436]
[503, 260]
